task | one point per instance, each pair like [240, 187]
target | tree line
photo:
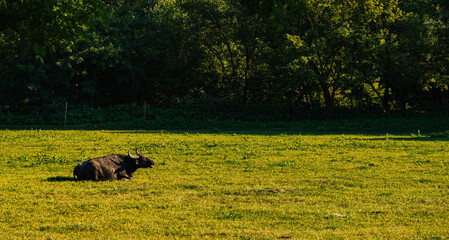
[386, 55]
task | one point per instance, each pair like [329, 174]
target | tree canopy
[316, 54]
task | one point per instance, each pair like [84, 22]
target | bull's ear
[137, 162]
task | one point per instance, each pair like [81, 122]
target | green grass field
[248, 185]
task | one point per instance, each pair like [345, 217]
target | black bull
[114, 166]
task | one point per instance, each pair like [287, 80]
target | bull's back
[96, 169]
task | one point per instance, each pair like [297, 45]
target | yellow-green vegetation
[251, 185]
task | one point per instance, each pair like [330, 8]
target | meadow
[227, 185]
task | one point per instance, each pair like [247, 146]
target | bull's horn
[131, 156]
[138, 153]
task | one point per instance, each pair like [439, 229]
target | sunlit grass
[231, 186]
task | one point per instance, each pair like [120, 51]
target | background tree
[370, 55]
[29, 31]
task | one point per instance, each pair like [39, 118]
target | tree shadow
[60, 179]
[424, 139]
[316, 127]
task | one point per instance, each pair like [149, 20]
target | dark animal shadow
[60, 179]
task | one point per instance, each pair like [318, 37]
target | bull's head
[142, 161]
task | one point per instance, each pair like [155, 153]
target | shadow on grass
[358, 126]
[427, 139]
[60, 179]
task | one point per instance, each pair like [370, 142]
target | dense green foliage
[255, 185]
[314, 54]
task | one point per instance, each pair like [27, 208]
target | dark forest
[321, 55]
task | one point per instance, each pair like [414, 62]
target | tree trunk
[246, 79]
[328, 100]
[386, 97]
